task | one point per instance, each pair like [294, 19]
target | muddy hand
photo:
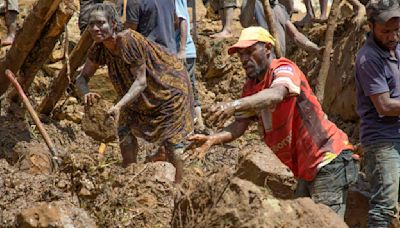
[221, 112]
[204, 142]
[113, 113]
[91, 98]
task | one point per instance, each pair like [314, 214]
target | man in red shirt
[278, 96]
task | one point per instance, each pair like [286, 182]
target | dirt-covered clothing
[163, 112]
[297, 130]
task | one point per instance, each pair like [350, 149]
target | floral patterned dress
[163, 112]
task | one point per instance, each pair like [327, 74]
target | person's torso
[298, 131]
[374, 127]
[156, 22]
[166, 76]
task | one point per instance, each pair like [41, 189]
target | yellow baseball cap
[250, 36]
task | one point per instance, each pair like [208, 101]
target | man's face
[255, 60]
[99, 27]
[387, 34]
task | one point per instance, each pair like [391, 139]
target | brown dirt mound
[222, 200]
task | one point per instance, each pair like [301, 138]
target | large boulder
[261, 166]
[227, 201]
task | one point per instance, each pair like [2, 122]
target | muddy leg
[323, 4]
[309, 16]
[227, 20]
[175, 157]
[129, 148]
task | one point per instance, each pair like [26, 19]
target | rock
[35, 156]
[163, 171]
[226, 201]
[97, 124]
[264, 169]
[54, 214]
[214, 53]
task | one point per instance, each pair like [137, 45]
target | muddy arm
[230, 133]
[82, 80]
[267, 98]
[137, 87]
[300, 39]
[385, 105]
[183, 25]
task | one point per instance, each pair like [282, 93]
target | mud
[97, 124]
[223, 200]
[92, 189]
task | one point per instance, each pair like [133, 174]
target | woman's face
[99, 27]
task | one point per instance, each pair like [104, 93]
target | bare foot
[7, 41]
[222, 34]
[305, 21]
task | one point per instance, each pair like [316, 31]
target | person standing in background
[187, 52]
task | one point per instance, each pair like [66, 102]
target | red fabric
[300, 134]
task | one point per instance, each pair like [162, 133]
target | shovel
[42, 130]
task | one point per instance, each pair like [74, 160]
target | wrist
[236, 104]
[118, 105]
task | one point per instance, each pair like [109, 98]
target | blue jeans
[332, 182]
[190, 67]
[382, 162]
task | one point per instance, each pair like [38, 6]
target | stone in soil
[97, 124]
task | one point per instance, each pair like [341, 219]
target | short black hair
[111, 14]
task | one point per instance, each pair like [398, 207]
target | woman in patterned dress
[153, 87]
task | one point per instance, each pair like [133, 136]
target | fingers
[198, 138]
[91, 98]
[202, 151]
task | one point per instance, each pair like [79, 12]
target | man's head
[103, 22]
[384, 22]
[254, 48]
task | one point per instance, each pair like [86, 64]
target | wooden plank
[326, 57]
[45, 45]
[61, 82]
[26, 38]
[269, 17]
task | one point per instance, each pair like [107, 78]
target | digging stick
[194, 19]
[34, 116]
[326, 57]
[269, 17]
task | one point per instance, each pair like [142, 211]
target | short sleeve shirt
[296, 130]
[182, 12]
[155, 20]
[377, 72]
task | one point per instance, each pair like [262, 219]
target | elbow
[384, 110]
[142, 84]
